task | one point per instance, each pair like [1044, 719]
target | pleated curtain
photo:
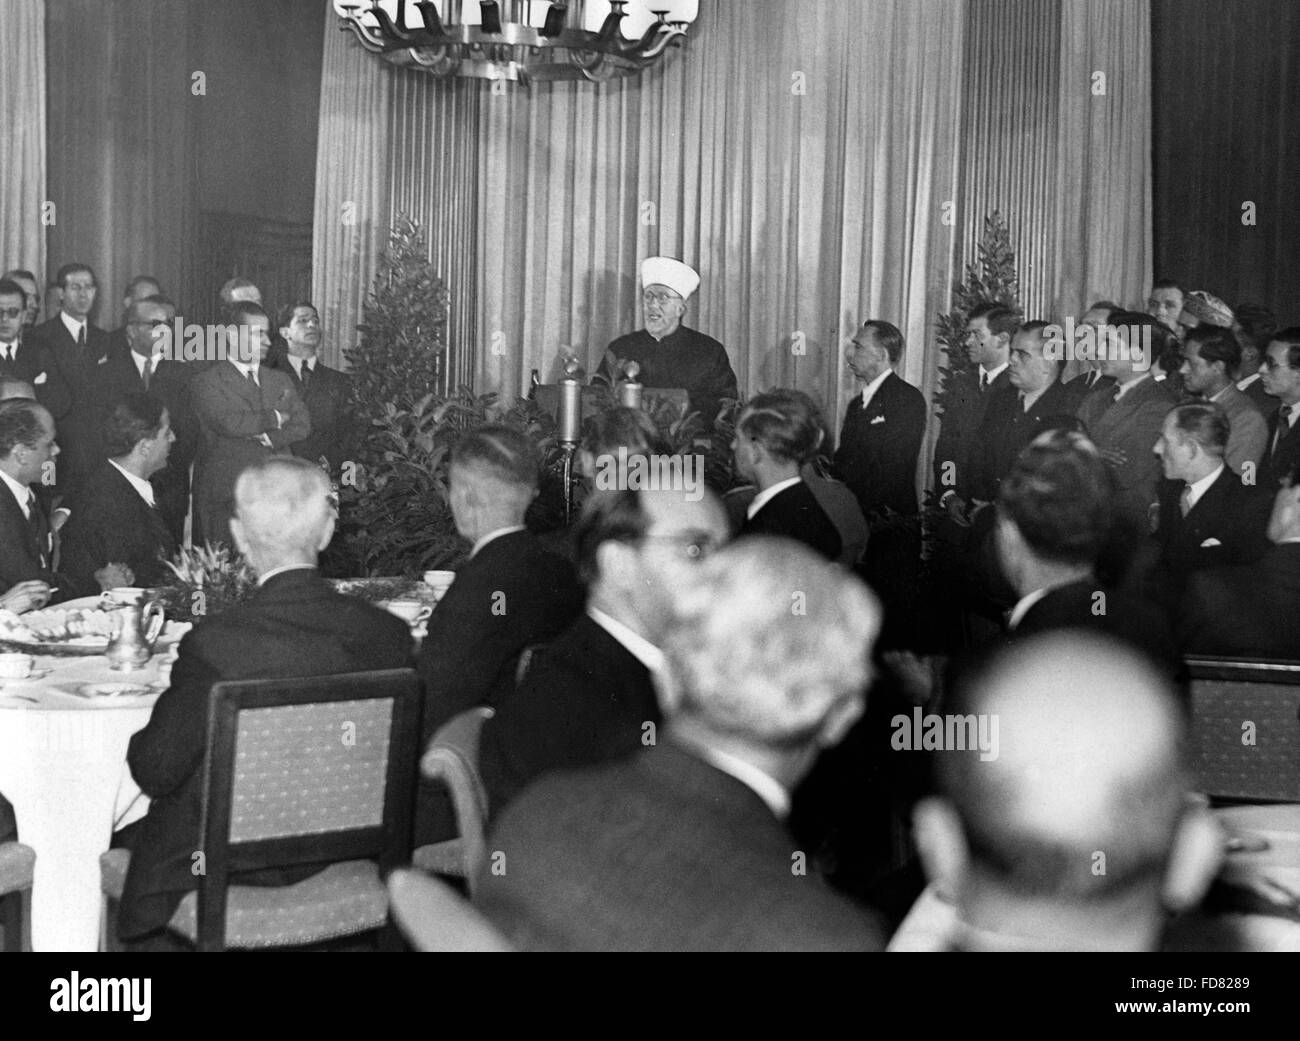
[22, 145]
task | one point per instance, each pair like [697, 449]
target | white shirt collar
[491, 535]
[1219, 396]
[244, 370]
[767, 495]
[991, 374]
[21, 492]
[73, 325]
[869, 391]
[1243, 384]
[263, 579]
[1023, 605]
[143, 487]
[298, 363]
[633, 642]
[1029, 399]
[1199, 488]
[1295, 414]
[140, 359]
[763, 785]
[1124, 388]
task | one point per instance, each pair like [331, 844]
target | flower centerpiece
[208, 581]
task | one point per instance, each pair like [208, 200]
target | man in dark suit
[588, 696]
[20, 358]
[246, 413]
[1096, 318]
[1124, 419]
[117, 535]
[294, 625]
[139, 288]
[74, 351]
[322, 389]
[1055, 515]
[989, 329]
[880, 443]
[1209, 516]
[27, 281]
[682, 846]
[151, 365]
[27, 452]
[668, 353]
[1251, 611]
[775, 436]
[509, 595]
[1281, 377]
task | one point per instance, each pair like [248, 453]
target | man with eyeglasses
[143, 368]
[27, 282]
[19, 359]
[139, 288]
[589, 697]
[75, 350]
[670, 354]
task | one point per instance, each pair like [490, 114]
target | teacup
[122, 595]
[439, 581]
[15, 666]
[412, 612]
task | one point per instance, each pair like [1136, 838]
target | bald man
[1076, 832]
[294, 625]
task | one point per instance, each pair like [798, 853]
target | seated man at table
[116, 535]
[588, 697]
[27, 453]
[509, 594]
[682, 846]
[1071, 828]
[294, 625]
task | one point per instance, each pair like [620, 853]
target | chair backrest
[1246, 728]
[452, 758]
[303, 771]
[435, 918]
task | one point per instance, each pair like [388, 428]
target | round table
[63, 767]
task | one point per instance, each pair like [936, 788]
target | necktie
[36, 524]
[7, 351]
[81, 336]
[984, 381]
[1185, 501]
[1024, 405]
[146, 372]
[252, 378]
[1115, 393]
[1283, 428]
[304, 375]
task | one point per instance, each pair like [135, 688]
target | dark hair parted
[887, 336]
[129, 420]
[614, 516]
[1203, 422]
[785, 422]
[621, 427]
[506, 453]
[1001, 320]
[20, 424]
[1216, 343]
[1060, 496]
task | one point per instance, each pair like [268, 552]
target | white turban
[664, 271]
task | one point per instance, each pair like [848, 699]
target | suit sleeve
[171, 747]
[297, 425]
[222, 409]
[904, 445]
[720, 380]
[55, 393]
[1249, 439]
[1138, 478]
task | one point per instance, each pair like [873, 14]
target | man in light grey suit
[1124, 419]
[1211, 356]
[246, 413]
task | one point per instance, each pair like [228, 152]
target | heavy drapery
[22, 145]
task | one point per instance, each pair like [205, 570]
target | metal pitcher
[135, 628]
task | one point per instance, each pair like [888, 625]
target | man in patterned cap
[668, 353]
[1200, 308]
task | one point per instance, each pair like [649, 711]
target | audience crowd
[689, 745]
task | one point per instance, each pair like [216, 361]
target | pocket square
[40, 379]
[878, 419]
[1210, 542]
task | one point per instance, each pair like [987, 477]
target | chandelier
[520, 40]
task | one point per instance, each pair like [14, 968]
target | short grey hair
[284, 505]
[768, 639]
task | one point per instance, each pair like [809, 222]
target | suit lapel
[18, 523]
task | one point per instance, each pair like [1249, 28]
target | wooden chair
[299, 772]
[1246, 728]
[452, 759]
[437, 919]
[17, 863]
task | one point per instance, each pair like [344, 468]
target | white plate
[113, 689]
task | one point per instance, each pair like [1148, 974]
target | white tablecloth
[63, 766]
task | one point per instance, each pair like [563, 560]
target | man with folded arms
[117, 536]
[1078, 834]
[294, 625]
[589, 697]
[246, 413]
[682, 846]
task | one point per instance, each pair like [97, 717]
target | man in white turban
[668, 353]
